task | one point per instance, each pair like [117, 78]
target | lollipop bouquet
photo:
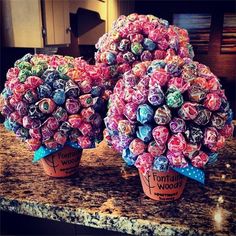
[55, 104]
[168, 118]
[140, 38]
[167, 115]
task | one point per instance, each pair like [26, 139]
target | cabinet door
[56, 21]
[22, 23]
[99, 6]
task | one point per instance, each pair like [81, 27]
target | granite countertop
[106, 194]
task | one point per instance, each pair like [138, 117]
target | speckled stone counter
[106, 194]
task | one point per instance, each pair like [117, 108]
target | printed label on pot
[62, 163]
[163, 186]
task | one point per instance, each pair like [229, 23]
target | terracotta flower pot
[163, 186]
[62, 163]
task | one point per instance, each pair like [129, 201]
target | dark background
[14, 224]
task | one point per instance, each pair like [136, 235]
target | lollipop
[171, 116]
[52, 101]
[140, 39]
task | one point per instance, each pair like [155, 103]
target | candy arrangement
[169, 113]
[137, 38]
[50, 101]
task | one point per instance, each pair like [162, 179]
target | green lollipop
[23, 74]
[24, 65]
[37, 70]
[174, 98]
[136, 48]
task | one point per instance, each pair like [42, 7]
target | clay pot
[163, 186]
[63, 163]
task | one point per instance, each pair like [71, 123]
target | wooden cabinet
[56, 21]
[35, 23]
[91, 36]
[108, 10]
[99, 6]
[22, 23]
[40, 23]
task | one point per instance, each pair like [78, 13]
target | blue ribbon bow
[191, 172]
[43, 151]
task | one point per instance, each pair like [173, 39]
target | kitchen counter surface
[105, 194]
